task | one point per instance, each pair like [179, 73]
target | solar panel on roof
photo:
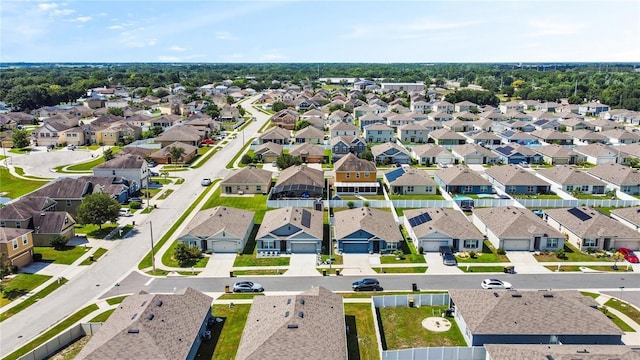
[579, 214]
[420, 219]
[393, 175]
[306, 218]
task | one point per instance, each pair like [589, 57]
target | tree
[246, 159]
[176, 153]
[285, 160]
[366, 155]
[115, 111]
[302, 124]
[97, 209]
[184, 254]
[108, 154]
[212, 110]
[20, 138]
[278, 106]
[58, 242]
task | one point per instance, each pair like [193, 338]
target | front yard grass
[590, 294]
[402, 328]
[32, 299]
[406, 259]
[20, 285]
[361, 338]
[276, 271]
[251, 260]
[93, 231]
[488, 255]
[65, 256]
[617, 321]
[96, 255]
[574, 268]
[103, 316]
[624, 308]
[481, 269]
[14, 187]
[572, 255]
[170, 261]
[225, 335]
[253, 202]
[400, 270]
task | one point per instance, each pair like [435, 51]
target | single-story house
[516, 229]
[628, 216]
[276, 135]
[183, 133]
[519, 137]
[559, 155]
[624, 178]
[308, 153]
[514, 179]
[430, 228]
[551, 136]
[571, 179]
[390, 153]
[291, 230]
[462, 180]
[522, 317]
[220, 229]
[268, 152]
[248, 180]
[431, 154]
[474, 154]
[299, 182]
[587, 228]
[309, 135]
[546, 352]
[516, 154]
[585, 137]
[163, 156]
[366, 230]
[598, 154]
[483, 138]
[408, 181]
[621, 136]
[446, 138]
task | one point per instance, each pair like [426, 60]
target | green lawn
[488, 255]
[407, 259]
[32, 299]
[65, 256]
[96, 255]
[170, 261]
[226, 335]
[481, 269]
[573, 255]
[617, 321]
[116, 300]
[573, 268]
[52, 332]
[103, 316]
[624, 308]
[590, 294]
[206, 158]
[252, 260]
[239, 296]
[165, 194]
[87, 166]
[93, 231]
[20, 285]
[361, 338]
[239, 153]
[400, 270]
[275, 271]
[14, 187]
[402, 328]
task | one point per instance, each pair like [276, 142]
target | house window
[392, 245]
[511, 189]
[246, 187]
[484, 188]
[25, 239]
[468, 188]
[258, 188]
[366, 174]
[530, 188]
[552, 243]
[590, 242]
[357, 175]
[237, 187]
[113, 172]
[15, 243]
[18, 225]
[428, 189]
[410, 189]
[3, 224]
[268, 244]
[348, 175]
[470, 244]
[569, 188]
[585, 188]
[68, 202]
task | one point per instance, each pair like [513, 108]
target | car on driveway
[629, 255]
[449, 260]
[366, 284]
[154, 173]
[495, 284]
[208, 142]
[125, 212]
[136, 199]
[247, 286]
[205, 182]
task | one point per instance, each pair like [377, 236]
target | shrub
[58, 242]
[351, 204]
[501, 251]
[560, 254]
[366, 204]
[473, 254]
[134, 205]
[37, 257]
[590, 250]
[399, 254]
[420, 250]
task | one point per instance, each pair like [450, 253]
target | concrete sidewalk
[629, 338]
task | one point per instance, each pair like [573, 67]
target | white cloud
[115, 27]
[415, 29]
[224, 35]
[82, 19]
[272, 56]
[47, 6]
[177, 48]
[61, 12]
[152, 42]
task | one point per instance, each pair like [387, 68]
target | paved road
[120, 260]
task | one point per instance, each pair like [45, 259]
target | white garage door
[303, 248]
[224, 247]
[633, 245]
[432, 246]
[474, 160]
[519, 245]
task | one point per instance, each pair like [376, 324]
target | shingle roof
[188, 149]
[514, 175]
[128, 161]
[616, 174]
[428, 150]
[378, 126]
[341, 125]
[51, 222]
[380, 149]
[276, 133]
[466, 149]
[413, 177]
[514, 222]
[562, 352]
[531, 313]
[568, 175]
[212, 221]
[350, 162]
[445, 221]
[69, 188]
[269, 146]
[180, 133]
[291, 215]
[301, 175]
[25, 207]
[166, 325]
[310, 325]
[445, 134]
[586, 222]
[595, 149]
[584, 134]
[459, 176]
[376, 222]
[310, 132]
[248, 175]
[8, 234]
[631, 214]
[307, 149]
[554, 150]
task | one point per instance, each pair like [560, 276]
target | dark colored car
[366, 284]
[154, 173]
[136, 199]
[445, 250]
[629, 255]
[449, 259]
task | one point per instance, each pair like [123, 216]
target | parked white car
[125, 212]
[495, 284]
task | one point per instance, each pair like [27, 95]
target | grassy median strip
[629, 310]
[206, 158]
[103, 316]
[239, 153]
[400, 270]
[77, 316]
[96, 255]
[32, 299]
[146, 261]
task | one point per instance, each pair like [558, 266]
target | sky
[371, 31]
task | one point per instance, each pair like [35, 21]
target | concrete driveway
[436, 266]
[357, 264]
[525, 263]
[219, 265]
[302, 265]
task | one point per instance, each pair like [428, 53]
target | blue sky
[319, 31]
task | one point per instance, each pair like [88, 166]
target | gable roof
[617, 174]
[310, 132]
[554, 150]
[586, 222]
[301, 175]
[268, 146]
[180, 133]
[562, 352]
[69, 188]
[376, 222]
[408, 177]
[630, 214]
[128, 161]
[310, 325]
[307, 149]
[513, 149]
[445, 221]
[514, 222]
[25, 207]
[166, 325]
[292, 215]
[514, 175]
[188, 149]
[568, 175]
[466, 149]
[445, 134]
[276, 133]
[248, 175]
[428, 150]
[350, 162]
[460, 176]
[529, 313]
[220, 218]
[8, 234]
[341, 125]
[396, 149]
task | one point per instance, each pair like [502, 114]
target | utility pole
[153, 256]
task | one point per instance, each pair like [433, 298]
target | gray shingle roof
[276, 133]
[562, 352]
[275, 330]
[554, 150]
[466, 149]
[413, 177]
[514, 175]
[269, 146]
[596, 226]
[631, 214]
[301, 175]
[380, 149]
[350, 162]
[212, 221]
[248, 175]
[568, 175]
[376, 222]
[460, 176]
[275, 219]
[8, 234]
[532, 313]
[445, 221]
[513, 222]
[428, 150]
[616, 174]
[128, 161]
[307, 149]
[595, 149]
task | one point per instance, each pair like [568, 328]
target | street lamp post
[153, 256]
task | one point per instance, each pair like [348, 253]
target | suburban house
[483, 138]
[220, 230]
[516, 154]
[573, 124]
[484, 124]
[516, 125]
[408, 181]
[465, 106]
[551, 136]
[522, 317]
[624, 178]
[153, 326]
[559, 155]
[340, 116]
[431, 228]
[276, 135]
[430, 125]
[628, 216]
[458, 125]
[366, 230]
[308, 153]
[164, 156]
[443, 106]
[229, 113]
[510, 106]
[379, 133]
[545, 352]
[343, 145]
[248, 180]
[587, 228]
[291, 230]
[16, 246]
[621, 136]
[585, 137]
[570, 179]
[447, 138]
[598, 154]
[68, 192]
[134, 168]
[370, 119]
[431, 154]
[299, 182]
[518, 137]
[390, 153]
[185, 134]
[39, 214]
[603, 125]
[474, 154]
[355, 176]
[268, 152]
[592, 108]
[166, 121]
[310, 135]
[397, 120]
[49, 134]
[285, 119]
[413, 133]
[305, 324]
[516, 229]
[462, 180]
[514, 179]
[343, 129]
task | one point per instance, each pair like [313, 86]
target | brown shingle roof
[412, 177]
[444, 221]
[128, 161]
[25, 207]
[568, 175]
[301, 175]
[183, 133]
[248, 175]
[513, 222]
[212, 221]
[8, 234]
[350, 162]
[307, 149]
[459, 176]
[376, 222]
[514, 175]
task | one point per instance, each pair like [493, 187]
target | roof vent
[133, 331]
[516, 295]
[301, 314]
[143, 303]
[288, 301]
[159, 303]
[150, 317]
[496, 294]
[134, 316]
[292, 326]
[548, 295]
[286, 314]
[301, 301]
